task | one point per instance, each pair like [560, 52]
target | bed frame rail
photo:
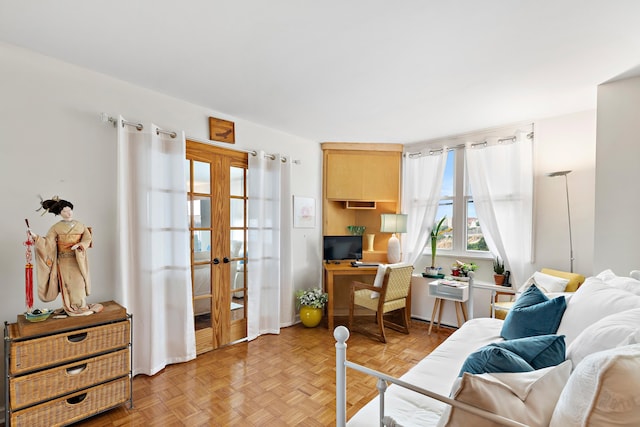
[341, 334]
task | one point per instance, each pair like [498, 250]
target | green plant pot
[310, 317]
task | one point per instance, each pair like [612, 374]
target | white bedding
[435, 373]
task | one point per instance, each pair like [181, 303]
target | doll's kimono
[61, 270]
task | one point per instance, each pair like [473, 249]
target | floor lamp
[393, 223]
[566, 185]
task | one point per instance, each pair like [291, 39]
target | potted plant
[498, 269]
[310, 302]
[435, 234]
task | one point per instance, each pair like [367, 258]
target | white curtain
[153, 245]
[269, 266]
[422, 184]
[287, 300]
[501, 180]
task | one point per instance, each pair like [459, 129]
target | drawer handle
[76, 369]
[77, 337]
[76, 399]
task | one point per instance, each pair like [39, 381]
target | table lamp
[393, 223]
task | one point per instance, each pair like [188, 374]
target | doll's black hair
[55, 205]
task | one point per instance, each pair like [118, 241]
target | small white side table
[458, 293]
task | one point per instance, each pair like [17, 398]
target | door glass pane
[201, 245]
[237, 306]
[237, 181]
[202, 311]
[201, 177]
[237, 244]
[237, 212]
[201, 212]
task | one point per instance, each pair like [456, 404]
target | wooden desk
[342, 269]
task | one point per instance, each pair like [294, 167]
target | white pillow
[593, 301]
[602, 391]
[606, 275]
[526, 397]
[377, 282]
[613, 331]
[545, 282]
[620, 282]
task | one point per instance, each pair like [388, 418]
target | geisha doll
[61, 260]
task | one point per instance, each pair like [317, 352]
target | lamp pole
[566, 186]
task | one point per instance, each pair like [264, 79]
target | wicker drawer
[39, 353]
[40, 386]
[74, 407]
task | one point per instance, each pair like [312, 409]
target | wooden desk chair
[391, 296]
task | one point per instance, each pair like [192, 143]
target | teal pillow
[539, 351]
[494, 359]
[542, 318]
[533, 295]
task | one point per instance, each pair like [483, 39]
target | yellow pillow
[575, 279]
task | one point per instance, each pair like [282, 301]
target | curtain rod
[106, 118]
[456, 147]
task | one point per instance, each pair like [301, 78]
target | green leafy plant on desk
[436, 232]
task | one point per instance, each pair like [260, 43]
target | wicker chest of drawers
[60, 371]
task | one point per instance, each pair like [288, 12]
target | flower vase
[370, 238]
[310, 316]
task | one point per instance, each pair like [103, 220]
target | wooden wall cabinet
[361, 175]
[360, 182]
[60, 371]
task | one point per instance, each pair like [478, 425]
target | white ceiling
[347, 70]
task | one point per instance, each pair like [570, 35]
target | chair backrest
[397, 282]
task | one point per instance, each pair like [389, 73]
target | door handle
[216, 261]
[225, 260]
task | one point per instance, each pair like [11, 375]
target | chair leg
[380, 320]
[350, 324]
[407, 317]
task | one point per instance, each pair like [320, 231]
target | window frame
[460, 200]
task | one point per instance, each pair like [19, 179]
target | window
[463, 233]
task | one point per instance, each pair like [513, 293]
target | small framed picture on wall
[304, 212]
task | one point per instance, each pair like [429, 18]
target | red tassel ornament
[28, 272]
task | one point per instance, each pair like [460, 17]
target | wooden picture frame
[222, 130]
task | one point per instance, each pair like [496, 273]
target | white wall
[617, 196]
[565, 143]
[53, 143]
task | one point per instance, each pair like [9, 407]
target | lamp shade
[393, 223]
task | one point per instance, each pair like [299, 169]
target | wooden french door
[217, 206]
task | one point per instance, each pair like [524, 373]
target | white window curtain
[422, 184]
[501, 180]
[153, 245]
[269, 266]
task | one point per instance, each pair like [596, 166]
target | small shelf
[459, 293]
[355, 204]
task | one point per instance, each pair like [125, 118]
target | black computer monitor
[342, 247]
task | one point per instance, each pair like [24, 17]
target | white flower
[313, 297]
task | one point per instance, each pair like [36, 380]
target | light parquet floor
[274, 380]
